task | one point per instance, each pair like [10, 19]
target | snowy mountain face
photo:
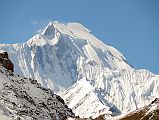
[25, 99]
[113, 94]
[92, 77]
[63, 54]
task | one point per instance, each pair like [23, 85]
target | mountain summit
[92, 77]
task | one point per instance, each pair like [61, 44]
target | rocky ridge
[23, 98]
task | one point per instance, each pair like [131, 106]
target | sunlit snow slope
[99, 78]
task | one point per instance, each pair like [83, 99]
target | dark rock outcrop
[6, 62]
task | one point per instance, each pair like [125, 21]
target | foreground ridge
[149, 112]
[25, 99]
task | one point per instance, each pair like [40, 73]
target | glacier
[93, 78]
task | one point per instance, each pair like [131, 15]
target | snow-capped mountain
[97, 78]
[60, 55]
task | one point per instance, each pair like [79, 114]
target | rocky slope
[149, 112]
[25, 99]
[97, 78]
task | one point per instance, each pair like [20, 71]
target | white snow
[37, 40]
[2, 51]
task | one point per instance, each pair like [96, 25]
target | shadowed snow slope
[98, 77]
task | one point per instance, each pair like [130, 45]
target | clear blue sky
[131, 26]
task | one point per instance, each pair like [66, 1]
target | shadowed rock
[6, 62]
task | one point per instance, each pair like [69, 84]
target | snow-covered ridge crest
[74, 30]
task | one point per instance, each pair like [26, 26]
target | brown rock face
[6, 62]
